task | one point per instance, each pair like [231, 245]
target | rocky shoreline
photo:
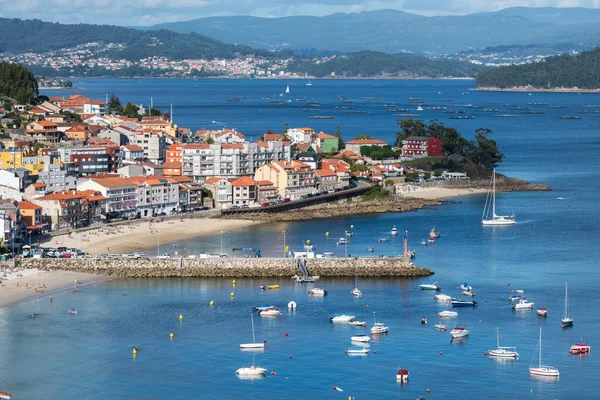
[233, 267]
[535, 89]
[503, 184]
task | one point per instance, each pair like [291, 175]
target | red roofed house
[266, 192]
[132, 152]
[62, 210]
[43, 131]
[244, 191]
[328, 143]
[31, 215]
[326, 180]
[228, 136]
[120, 193]
[422, 146]
[273, 137]
[222, 191]
[341, 169]
[79, 132]
[95, 107]
[355, 145]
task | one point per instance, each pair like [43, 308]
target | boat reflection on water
[542, 378]
[459, 340]
[250, 377]
[253, 350]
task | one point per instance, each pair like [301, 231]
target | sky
[150, 12]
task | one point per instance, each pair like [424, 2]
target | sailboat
[495, 220]
[543, 370]
[309, 82]
[252, 371]
[287, 89]
[356, 291]
[566, 321]
[252, 345]
[503, 352]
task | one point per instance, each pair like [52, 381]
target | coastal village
[57, 176]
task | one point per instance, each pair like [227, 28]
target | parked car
[274, 203]
[235, 207]
[286, 200]
[265, 204]
[338, 190]
[304, 196]
[245, 206]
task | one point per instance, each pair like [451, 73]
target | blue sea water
[89, 355]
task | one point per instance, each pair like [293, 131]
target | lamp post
[284, 247]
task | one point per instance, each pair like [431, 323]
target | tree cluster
[379, 153]
[369, 63]
[18, 83]
[564, 71]
[483, 150]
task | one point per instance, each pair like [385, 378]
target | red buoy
[485, 353]
[373, 342]
[367, 306]
[265, 341]
[428, 391]
[286, 334]
[273, 372]
[290, 357]
[375, 352]
[441, 353]
[334, 388]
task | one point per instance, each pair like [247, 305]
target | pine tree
[338, 134]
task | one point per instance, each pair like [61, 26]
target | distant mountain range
[393, 31]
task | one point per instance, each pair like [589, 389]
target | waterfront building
[244, 191]
[326, 180]
[422, 146]
[120, 193]
[67, 209]
[292, 179]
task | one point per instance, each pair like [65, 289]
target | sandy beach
[22, 284]
[437, 193]
[142, 235]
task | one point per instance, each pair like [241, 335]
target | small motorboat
[71, 311]
[430, 286]
[468, 293]
[440, 327]
[318, 292]
[580, 348]
[5, 395]
[433, 234]
[357, 351]
[349, 234]
[459, 331]
[394, 231]
[270, 313]
[292, 305]
[542, 311]
[464, 303]
[384, 239]
[251, 371]
[342, 319]
[343, 241]
[358, 323]
[514, 298]
[263, 307]
[356, 292]
[379, 328]
[448, 314]
[423, 320]
[431, 240]
[442, 297]
[520, 291]
[465, 287]
[370, 250]
[523, 304]
[423, 243]
[402, 375]
[560, 198]
[361, 338]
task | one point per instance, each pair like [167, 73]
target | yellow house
[18, 158]
[292, 179]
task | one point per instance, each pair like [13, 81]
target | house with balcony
[63, 210]
[31, 215]
[266, 192]
[43, 131]
[244, 191]
[120, 193]
[222, 192]
[291, 178]
[95, 107]
[302, 135]
[422, 146]
[156, 195]
[326, 180]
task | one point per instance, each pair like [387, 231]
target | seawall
[233, 267]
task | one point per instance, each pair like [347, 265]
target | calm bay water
[89, 355]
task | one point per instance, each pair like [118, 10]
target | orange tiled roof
[112, 182]
[243, 181]
[325, 136]
[27, 205]
[366, 141]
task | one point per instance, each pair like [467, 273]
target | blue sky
[150, 12]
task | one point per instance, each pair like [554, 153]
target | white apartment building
[156, 195]
[121, 194]
[153, 143]
[302, 135]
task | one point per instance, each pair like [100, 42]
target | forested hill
[375, 64]
[23, 36]
[565, 71]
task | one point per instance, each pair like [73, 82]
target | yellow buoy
[171, 335]
[180, 316]
[212, 303]
[233, 281]
[134, 351]
[232, 294]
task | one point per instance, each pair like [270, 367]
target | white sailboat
[287, 89]
[543, 370]
[252, 371]
[309, 82]
[356, 291]
[503, 352]
[252, 345]
[566, 321]
[493, 219]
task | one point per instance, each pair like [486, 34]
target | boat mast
[253, 336]
[494, 195]
[566, 301]
[498, 337]
[540, 347]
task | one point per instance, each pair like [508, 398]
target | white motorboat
[419, 108]
[356, 292]
[489, 217]
[468, 293]
[379, 328]
[543, 370]
[423, 243]
[431, 240]
[440, 327]
[430, 286]
[71, 311]
[357, 351]
[394, 231]
[361, 338]
[459, 331]
[542, 311]
[520, 291]
[448, 314]
[5, 395]
[580, 348]
[384, 239]
[514, 298]
[442, 297]
[348, 234]
[342, 319]
[318, 292]
[343, 241]
[465, 286]
[433, 234]
[503, 352]
[523, 304]
[270, 313]
[370, 249]
[358, 323]
[566, 321]
[251, 371]
[263, 307]
[252, 345]
[328, 253]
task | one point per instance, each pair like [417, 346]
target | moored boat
[292, 305]
[318, 292]
[394, 231]
[489, 217]
[402, 375]
[543, 370]
[580, 348]
[263, 307]
[468, 293]
[251, 371]
[440, 327]
[434, 234]
[359, 351]
[5, 395]
[542, 311]
[358, 323]
[252, 345]
[459, 331]
[431, 240]
[447, 314]
[356, 292]
[442, 297]
[342, 318]
[430, 286]
[270, 313]
[379, 328]
[361, 338]
[464, 303]
[566, 321]
[514, 298]
[503, 352]
[523, 304]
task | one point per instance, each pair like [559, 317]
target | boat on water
[342, 318]
[370, 249]
[71, 311]
[252, 345]
[402, 375]
[357, 351]
[270, 287]
[343, 241]
[465, 286]
[292, 305]
[358, 323]
[440, 327]
[318, 292]
[263, 307]
[419, 108]
[356, 291]
[251, 371]
[459, 331]
[309, 83]
[464, 303]
[503, 352]
[523, 304]
[431, 240]
[423, 243]
[394, 231]
[580, 348]
[384, 239]
[543, 370]
[379, 328]
[5, 395]
[270, 313]
[442, 297]
[361, 338]
[328, 253]
[542, 311]
[424, 320]
[447, 314]
[489, 216]
[287, 89]
[468, 293]
[433, 233]
[566, 321]
[430, 286]
[349, 234]
[514, 298]
[521, 291]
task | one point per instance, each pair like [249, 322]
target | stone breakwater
[503, 184]
[233, 267]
